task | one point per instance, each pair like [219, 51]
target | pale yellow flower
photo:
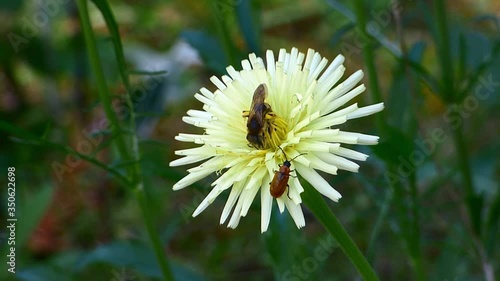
[303, 94]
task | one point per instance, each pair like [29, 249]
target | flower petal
[231, 200]
[296, 213]
[318, 182]
[266, 205]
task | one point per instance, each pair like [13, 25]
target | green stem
[444, 53]
[414, 236]
[414, 243]
[153, 234]
[373, 84]
[102, 88]
[369, 58]
[103, 6]
[223, 32]
[135, 172]
[317, 205]
[472, 201]
[384, 211]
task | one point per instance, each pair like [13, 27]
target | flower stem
[153, 234]
[102, 88]
[317, 205]
[128, 153]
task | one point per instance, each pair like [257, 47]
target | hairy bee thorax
[265, 129]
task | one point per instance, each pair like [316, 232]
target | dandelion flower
[304, 103]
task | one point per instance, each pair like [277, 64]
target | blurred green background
[425, 206]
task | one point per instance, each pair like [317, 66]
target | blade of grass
[247, 18]
[382, 216]
[414, 242]
[369, 59]
[390, 46]
[411, 237]
[109, 18]
[135, 169]
[473, 201]
[221, 12]
[102, 88]
[444, 52]
[480, 69]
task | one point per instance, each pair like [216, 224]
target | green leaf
[340, 32]
[136, 256]
[31, 209]
[209, 48]
[492, 226]
[488, 17]
[28, 212]
[249, 24]
[393, 146]
[123, 254]
[43, 273]
[336, 5]
[11, 6]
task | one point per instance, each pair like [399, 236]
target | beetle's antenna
[298, 156]
[286, 158]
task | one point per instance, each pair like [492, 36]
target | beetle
[259, 111]
[280, 180]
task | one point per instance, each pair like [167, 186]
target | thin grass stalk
[133, 156]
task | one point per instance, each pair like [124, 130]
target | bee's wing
[259, 96]
[258, 107]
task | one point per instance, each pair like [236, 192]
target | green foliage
[424, 207]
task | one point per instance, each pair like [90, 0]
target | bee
[259, 112]
[280, 180]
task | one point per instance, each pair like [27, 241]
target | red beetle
[280, 180]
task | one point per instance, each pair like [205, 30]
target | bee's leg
[270, 115]
[246, 113]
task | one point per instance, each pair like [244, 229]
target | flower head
[265, 116]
